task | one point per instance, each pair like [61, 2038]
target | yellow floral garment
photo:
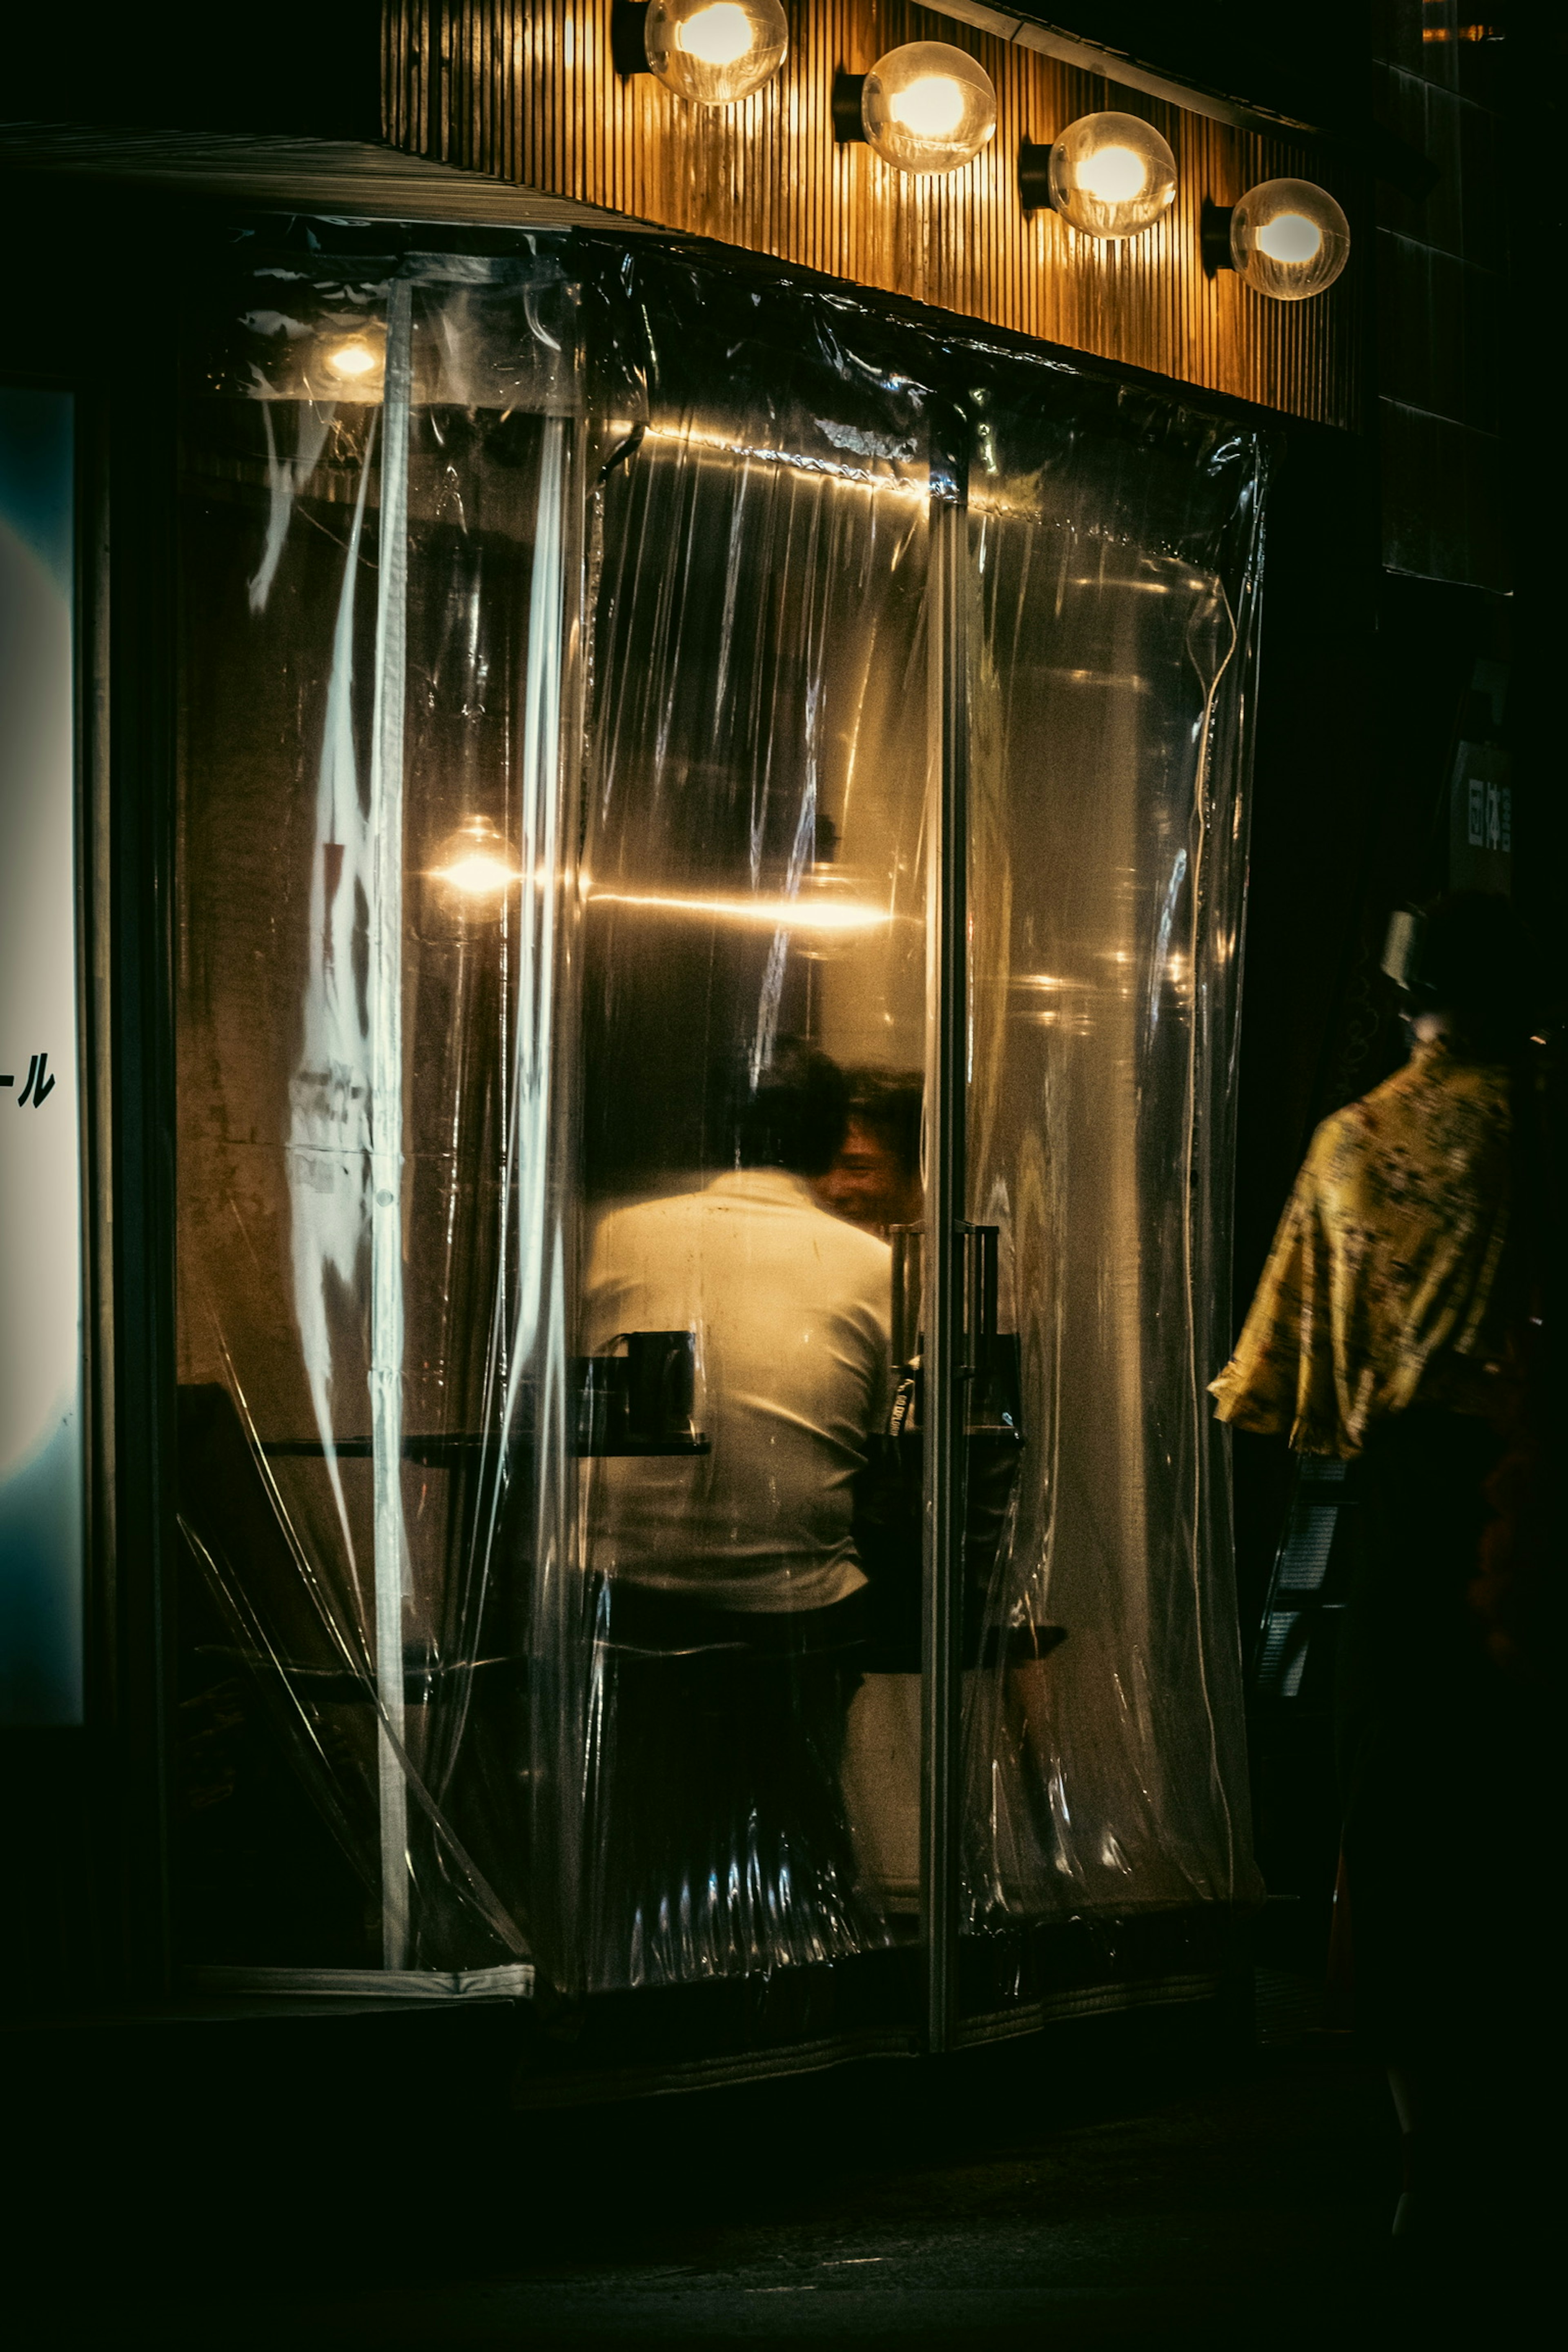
[1377, 1290]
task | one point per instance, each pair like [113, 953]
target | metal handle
[908, 1290]
[981, 1247]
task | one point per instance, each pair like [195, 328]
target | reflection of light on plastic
[931, 107]
[778, 914]
[1114, 175]
[913, 484]
[1038, 979]
[720, 36]
[1139, 587]
[352, 361]
[1289, 237]
[476, 862]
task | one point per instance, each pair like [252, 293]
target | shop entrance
[711, 868]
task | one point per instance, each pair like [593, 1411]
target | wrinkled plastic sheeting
[375, 545]
[1116, 544]
[624, 562]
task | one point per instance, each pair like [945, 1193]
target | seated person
[731, 1577]
[875, 1178]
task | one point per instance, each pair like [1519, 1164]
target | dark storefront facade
[520, 664]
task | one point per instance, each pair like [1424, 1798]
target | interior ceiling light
[351, 366]
[1286, 238]
[476, 862]
[925, 106]
[714, 52]
[1108, 175]
[352, 359]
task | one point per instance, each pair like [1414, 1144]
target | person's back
[790, 1309]
[726, 1591]
[1380, 1289]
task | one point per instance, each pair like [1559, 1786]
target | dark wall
[198, 64]
[1290, 62]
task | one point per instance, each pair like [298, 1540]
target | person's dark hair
[889, 1103]
[796, 1115]
[1475, 963]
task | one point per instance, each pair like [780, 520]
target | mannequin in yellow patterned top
[1377, 1333]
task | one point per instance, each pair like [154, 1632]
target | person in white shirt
[789, 1307]
[730, 1581]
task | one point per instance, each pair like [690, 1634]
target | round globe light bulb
[1113, 175]
[1289, 239]
[927, 107]
[715, 52]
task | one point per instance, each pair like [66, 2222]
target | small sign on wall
[1480, 820]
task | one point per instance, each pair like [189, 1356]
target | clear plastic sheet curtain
[563, 707]
[375, 540]
[1115, 545]
[759, 767]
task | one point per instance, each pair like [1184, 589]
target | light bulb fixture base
[848, 122]
[1213, 238]
[1035, 177]
[628, 38]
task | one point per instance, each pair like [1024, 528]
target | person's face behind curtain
[867, 1184]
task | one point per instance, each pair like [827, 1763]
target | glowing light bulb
[1108, 175]
[476, 862]
[1289, 237]
[715, 52]
[478, 875]
[932, 107]
[927, 107]
[1113, 174]
[352, 359]
[720, 36]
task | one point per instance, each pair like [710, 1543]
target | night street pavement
[1096, 2187]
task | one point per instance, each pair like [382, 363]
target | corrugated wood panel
[526, 91]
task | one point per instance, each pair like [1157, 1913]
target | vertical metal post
[541, 1129]
[947, 997]
[385, 1011]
